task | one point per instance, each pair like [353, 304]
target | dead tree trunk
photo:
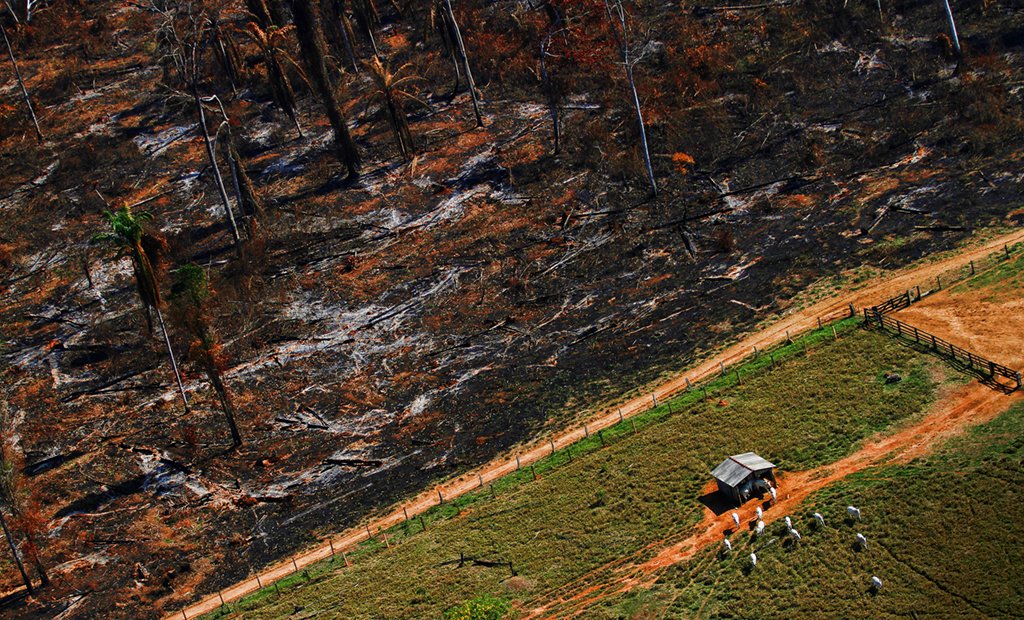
[461, 47]
[617, 17]
[21, 84]
[311, 40]
[212, 156]
[170, 354]
[225, 400]
[15, 554]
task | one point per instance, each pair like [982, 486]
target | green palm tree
[190, 294]
[127, 234]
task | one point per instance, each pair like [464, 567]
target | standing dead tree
[391, 88]
[270, 41]
[460, 47]
[621, 33]
[309, 28]
[15, 499]
[552, 89]
[338, 28]
[190, 295]
[185, 33]
[21, 82]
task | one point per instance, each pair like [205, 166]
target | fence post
[632, 423]
[938, 283]
[294, 565]
[518, 465]
[533, 471]
[331, 542]
[440, 498]
[1006, 248]
[654, 400]
[1018, 381]
[771, 356]
[586, 431]
[620, 414]
[972, 268]
[259, 584]
[819, 322]
[935, 343]
[183, 614]
[739, 381]
[600, 435]
[835, 334]
[721, 365]
[899, 328]
[368, 534]
[344, 556]
[423, 526]
[918, 292]
[917, 335]
[687, 384]
[788, 339]
[481, 479]
[552, 441]
[755, 351]
[853, 312]
[705, 388]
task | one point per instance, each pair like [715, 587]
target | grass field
[611, 501]
[943, 534]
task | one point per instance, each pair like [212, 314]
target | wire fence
[727, 374]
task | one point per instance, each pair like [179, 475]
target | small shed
[742, 476]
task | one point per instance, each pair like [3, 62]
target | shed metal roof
[734, 469]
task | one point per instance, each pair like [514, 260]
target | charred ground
[384, 334]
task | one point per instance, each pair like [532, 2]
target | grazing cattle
[760, 513]
[876, 583]
[774, 493]
[789, 523]
[795, 534]
[753, 560]
[863, 542]
[820, 519]
[759, 528]
[728, 545]
[736, 519]
[853, 513]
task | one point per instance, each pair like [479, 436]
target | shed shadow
[717, 502]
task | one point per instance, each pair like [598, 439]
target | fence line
[716, 371]
[967, 359]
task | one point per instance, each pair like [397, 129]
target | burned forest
[270, 266]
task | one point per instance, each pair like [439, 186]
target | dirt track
[974, 405]
[968, 406]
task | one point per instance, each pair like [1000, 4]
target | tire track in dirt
[967, 406]
[795, 322]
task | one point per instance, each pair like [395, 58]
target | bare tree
[187, 32]
[310, 32]
[14, 552]
[461, 48]
[620, 29]
[21, 83]
[13, 498]
[270, 42]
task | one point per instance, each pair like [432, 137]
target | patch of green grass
[609, 502]
[943, 534]
[1006, 277]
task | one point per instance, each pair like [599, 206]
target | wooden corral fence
[967, 360]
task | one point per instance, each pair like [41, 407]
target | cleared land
[943, 533]
[628, 497]
[984, 314]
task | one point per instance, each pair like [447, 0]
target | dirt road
[793, 323]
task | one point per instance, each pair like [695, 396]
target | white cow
[753, 560]
[728, 545]
[876, 583]
[759, 528]
[820, 519]
[863, 542]
[853, 513]
[736, 519]
[795, 534]
[789, 523]
[775, 494]
[759, 512]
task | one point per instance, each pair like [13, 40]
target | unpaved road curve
[968, 406]
[794, 323]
